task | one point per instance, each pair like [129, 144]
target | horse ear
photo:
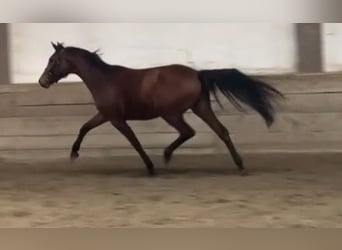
[60, 45]
[57, 46]
[54, 45]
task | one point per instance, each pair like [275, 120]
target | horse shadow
[165, 172]
[135, 169]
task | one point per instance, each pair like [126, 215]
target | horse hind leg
[185, 133]
[203, 110]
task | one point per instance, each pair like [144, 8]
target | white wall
[332, 46]
[252, 47]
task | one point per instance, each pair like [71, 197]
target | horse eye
[57, 62]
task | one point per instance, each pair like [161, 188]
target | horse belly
[141, 111]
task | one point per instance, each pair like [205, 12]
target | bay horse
[121, 94]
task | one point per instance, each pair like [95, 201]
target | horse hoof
[74, 155]
[152, 174]
[243, 172]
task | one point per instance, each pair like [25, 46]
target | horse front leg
[94, 122]
[126, 130]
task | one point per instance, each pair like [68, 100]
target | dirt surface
[198, 191]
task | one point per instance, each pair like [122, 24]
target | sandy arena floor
[205, 191]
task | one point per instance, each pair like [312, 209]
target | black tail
[236, 85]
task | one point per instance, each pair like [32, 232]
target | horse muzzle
[44, 82]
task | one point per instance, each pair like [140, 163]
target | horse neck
[90, 74]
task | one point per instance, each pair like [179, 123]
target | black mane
[92, 57]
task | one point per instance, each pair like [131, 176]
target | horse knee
[189, 133]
